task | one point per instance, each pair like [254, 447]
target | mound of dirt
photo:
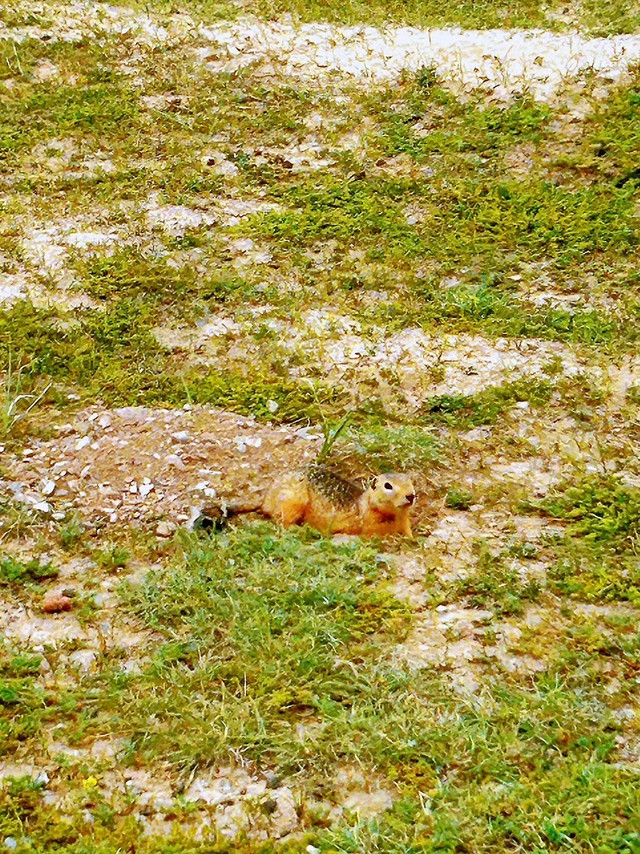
[139, 466]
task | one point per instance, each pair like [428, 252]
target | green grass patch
[265, 631]
[331, 208]
[464, 218]
[100, 103]
[18, 572]
[468, 13]
[113, 356]
[130, 274]
[619, 16]
[22, 700]
[598, 559]
[599, 509]
[396, 448]
[463, 128]
[459, 499]
[261, 618]
[485, 407]
[488, 309]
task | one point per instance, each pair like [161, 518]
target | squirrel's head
[392, 491]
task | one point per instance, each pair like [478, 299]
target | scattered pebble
[55, 601]
[83, 660]
[243, 244]
[165, 529]
[175, 461]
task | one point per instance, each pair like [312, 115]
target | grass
[473, 220]
[598, 558]
[282, 652]
[616, 17]
[14, 571]
[262, 633]
[15, 405]
[270, 629]
[599, 510]
[459, 499]
[113, 356]
[486, 407]
[99, 102]
[394, 448]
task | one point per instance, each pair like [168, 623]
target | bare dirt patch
[136, 465]
[410, 363]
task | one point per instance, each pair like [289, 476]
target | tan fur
[379, 511]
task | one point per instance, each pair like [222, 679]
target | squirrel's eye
[388, 486]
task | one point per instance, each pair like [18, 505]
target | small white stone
[83, 660]
[82, 443]
[42, 507]
[145, 488]
[306, 433]
[175, 461]
[48, 487]
[104, 421]
[133, 488]
[10, 843]
[226, 168]
[273, 405]
[243, 244]
[180, 436]
[165, 529]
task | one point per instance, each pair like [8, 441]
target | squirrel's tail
[214, 517]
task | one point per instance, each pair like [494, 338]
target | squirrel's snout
[410, 498]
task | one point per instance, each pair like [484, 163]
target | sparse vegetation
[14, 571]
[486, 406]
[459, 499]
[440, 285]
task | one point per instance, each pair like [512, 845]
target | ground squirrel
[320, 498]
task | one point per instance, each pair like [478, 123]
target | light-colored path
[499, 60]
[505, 62]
